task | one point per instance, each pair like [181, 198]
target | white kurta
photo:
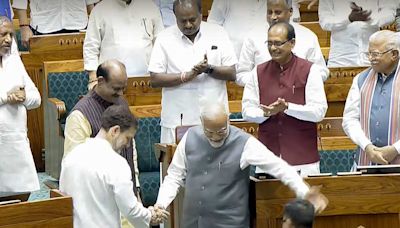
[17, 168]
[349, 40]
[122, 32]
[54, 15]
[100, 183]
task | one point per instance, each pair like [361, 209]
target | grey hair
[4, 19]
[210, 109]
[391, 39]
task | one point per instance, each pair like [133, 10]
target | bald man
[212, 163]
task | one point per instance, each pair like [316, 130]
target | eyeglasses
[276, 43]
[220, 132]
[375, 54]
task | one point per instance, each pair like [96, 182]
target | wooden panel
[55, 212]
[56, 42]
[346, 200]
[323, 36]
[308, 15]
[206, 5]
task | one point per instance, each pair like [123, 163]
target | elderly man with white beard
[212, 163]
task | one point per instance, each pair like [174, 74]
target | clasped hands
[197, 69]
[16, 95]
[276, 107]
[158, 214]
[381, 155]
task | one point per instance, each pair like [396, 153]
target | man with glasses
[212, 163]
[371, 115]
[255, 50]
[286, 97]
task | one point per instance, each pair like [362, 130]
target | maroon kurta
[293, 139]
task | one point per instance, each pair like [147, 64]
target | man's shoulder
[168, 34]
[303, 32]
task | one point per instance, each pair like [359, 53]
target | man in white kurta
[51, 16]
[99, 179]
[255, 50]
[17, 95]
[238, 17]
[191, 61]
[123, 30]
[351, 26]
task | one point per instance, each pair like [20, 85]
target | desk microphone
[181, 118]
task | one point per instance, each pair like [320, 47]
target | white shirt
[254, 153]
[100, 183]
[313, 110]
[122, 32]
[17, 168]
[349, 40]
[255, 51]
[53, 15]
[166, 10]
[351, 118]
[174, 53]
[238, 17]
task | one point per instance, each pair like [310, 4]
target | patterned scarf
[367, 92]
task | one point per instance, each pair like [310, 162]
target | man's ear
[114, 130]
[396, 53]
[100, 79]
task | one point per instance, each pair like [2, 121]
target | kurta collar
[99, 99]
[289, 64]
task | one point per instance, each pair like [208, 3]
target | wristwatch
[209, 70]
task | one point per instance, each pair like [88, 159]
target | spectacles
[276, 43]
[375, 54]
[220, 132]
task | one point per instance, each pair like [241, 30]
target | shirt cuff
[91, 65]
[364, 143]
[3, 98]
[397, 146]
[148, 218]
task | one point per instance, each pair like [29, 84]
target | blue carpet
[43, 193]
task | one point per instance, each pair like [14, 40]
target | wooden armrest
[60, 105]
[54, 193]
[164, 151]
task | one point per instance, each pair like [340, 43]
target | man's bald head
[215, 120]
[187, 4]
[111, 68]
[112, 80]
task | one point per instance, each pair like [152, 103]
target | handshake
[158, 214]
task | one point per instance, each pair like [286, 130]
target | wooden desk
[371, 200]
[51, 213]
